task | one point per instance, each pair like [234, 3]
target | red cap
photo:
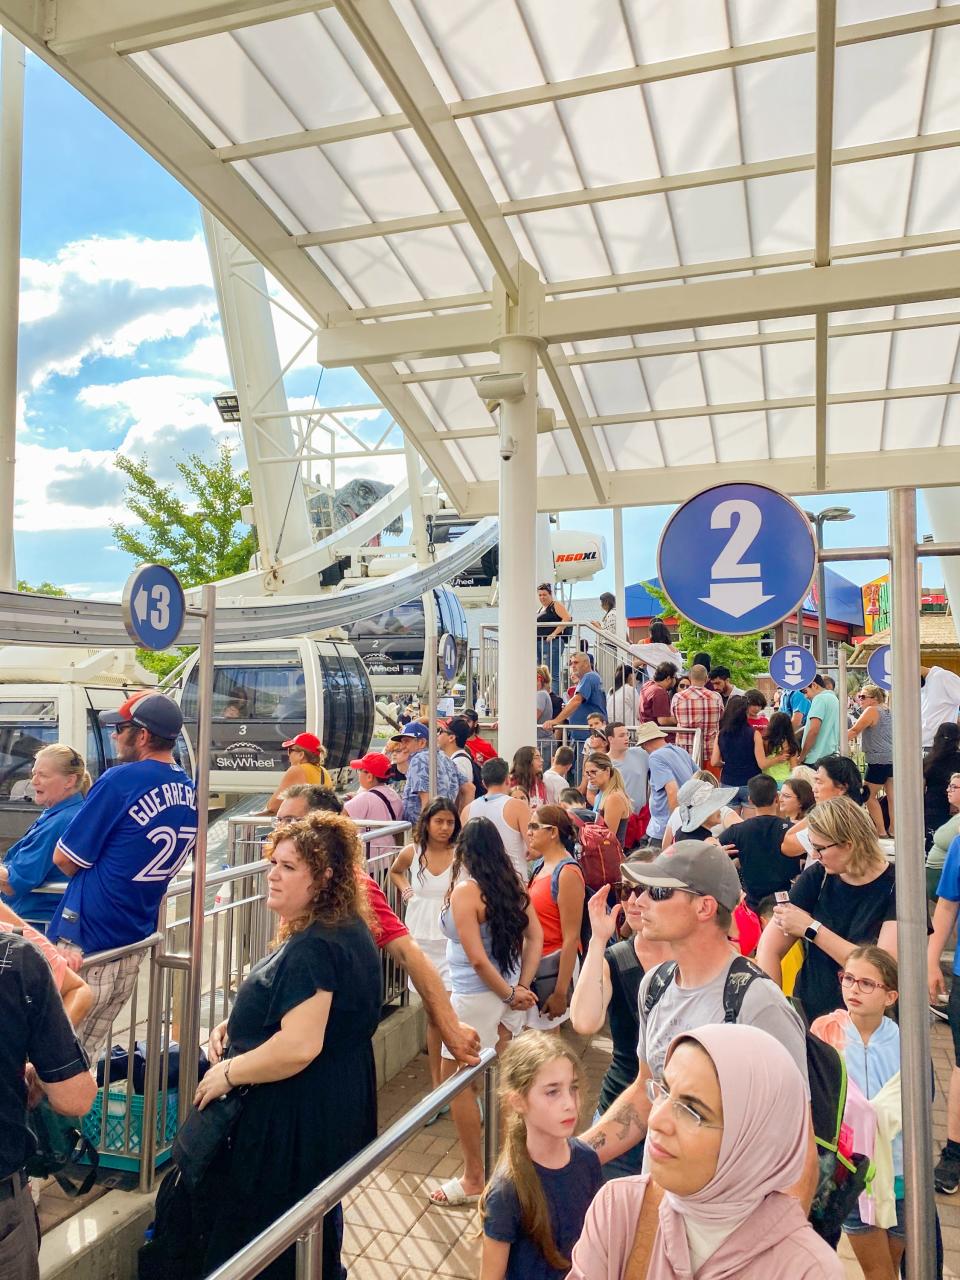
[374, 762]
[306, 742]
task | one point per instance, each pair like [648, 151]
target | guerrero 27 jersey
[134, 832]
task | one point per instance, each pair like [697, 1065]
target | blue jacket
[29, 862]
[872, 1064]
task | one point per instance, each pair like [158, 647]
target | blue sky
[120, 349]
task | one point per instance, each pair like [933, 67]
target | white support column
[619, 584]
[279, 500]
[517, 655]
[911, 887]
[418, 531]
[943, 508]
[12, 59]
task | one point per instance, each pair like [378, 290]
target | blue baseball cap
[148, 710]
[413, 730]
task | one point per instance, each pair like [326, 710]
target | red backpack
[600, 853]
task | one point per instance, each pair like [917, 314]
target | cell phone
[782, 896]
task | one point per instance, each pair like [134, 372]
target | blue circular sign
[448, 657]
[737, 558]
[792, 666]
[878, 667]
[153, 606]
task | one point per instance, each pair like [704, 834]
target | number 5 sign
[153, 606]
[737, 558]
[792, 667]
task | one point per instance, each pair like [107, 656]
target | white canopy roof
[393, 161]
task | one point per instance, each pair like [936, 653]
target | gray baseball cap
[690, 864]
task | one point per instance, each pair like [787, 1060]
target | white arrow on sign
[736, 598]
[141, 602]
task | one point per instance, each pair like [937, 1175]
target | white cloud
[42, 471]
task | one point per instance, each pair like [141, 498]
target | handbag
[204, 1134]
[545, 980]
[62, 1151]
[648, 1224]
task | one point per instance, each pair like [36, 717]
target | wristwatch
[811, 931]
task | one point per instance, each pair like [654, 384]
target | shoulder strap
[375, 791]
[555, 877]
[648, 1224]
[741, 975]
[663, 975]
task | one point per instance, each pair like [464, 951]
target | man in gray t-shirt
[682, 1009]
[687, 898]
[633, 763]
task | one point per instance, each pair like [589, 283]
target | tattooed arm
[625, 1123]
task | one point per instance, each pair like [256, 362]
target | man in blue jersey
[135, 831]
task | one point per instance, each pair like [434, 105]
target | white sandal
[453, 1195]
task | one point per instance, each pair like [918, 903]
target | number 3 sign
[153, 606]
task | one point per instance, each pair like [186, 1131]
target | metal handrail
[301, 1224]
[117, 953]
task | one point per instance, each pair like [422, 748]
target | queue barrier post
[491, 1112]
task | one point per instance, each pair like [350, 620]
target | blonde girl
[533, 1208]
[610, 799]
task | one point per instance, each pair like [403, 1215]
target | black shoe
[939, 1011]
[946, 1176]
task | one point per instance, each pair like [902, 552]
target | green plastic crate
[114, 1154]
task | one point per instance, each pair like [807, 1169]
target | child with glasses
[870, 1043]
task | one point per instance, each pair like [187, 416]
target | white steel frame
[90, 42]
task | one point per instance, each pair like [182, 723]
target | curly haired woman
[300, 1035]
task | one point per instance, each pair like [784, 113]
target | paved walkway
[392, 1233]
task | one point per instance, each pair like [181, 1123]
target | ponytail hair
[519, 1064]
[67, 762]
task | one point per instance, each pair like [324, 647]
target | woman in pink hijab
[727, 1137]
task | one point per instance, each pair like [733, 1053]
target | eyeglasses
[685, 1115]
[822, 848]
[953, 786]
[128, 724]
[541, 826]
[625, 891]
[866, 985]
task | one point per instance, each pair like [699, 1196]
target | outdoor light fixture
[818, 519]
[228, 406]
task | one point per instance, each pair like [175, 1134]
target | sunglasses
[129, 724]
[540, 826]
[657, 892]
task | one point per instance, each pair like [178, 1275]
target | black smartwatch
[811, 931]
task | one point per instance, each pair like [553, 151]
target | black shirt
[854, 911]
[763, 868]
[936, 806]
[626, 974]
[34, 1029]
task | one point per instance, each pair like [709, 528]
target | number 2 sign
[737, 558]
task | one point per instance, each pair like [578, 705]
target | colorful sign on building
[876, 605]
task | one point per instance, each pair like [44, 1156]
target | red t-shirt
[389, 925]
[481, 749]
[654, 702]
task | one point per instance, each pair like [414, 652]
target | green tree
[201, 539]
[740, 653]
[41, 589]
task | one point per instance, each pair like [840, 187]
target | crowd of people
[751, 906]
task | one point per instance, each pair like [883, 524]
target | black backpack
[479, 788]
[841, 1179]
[556, 702]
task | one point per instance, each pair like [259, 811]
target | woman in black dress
[301, 1035]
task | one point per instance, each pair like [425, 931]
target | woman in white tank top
[421, 874]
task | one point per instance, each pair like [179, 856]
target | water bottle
[225, 890]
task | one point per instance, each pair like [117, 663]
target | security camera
[508, 447]
[502, 386]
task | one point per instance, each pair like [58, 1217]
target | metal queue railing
[135, 1116]
[302, 1224]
